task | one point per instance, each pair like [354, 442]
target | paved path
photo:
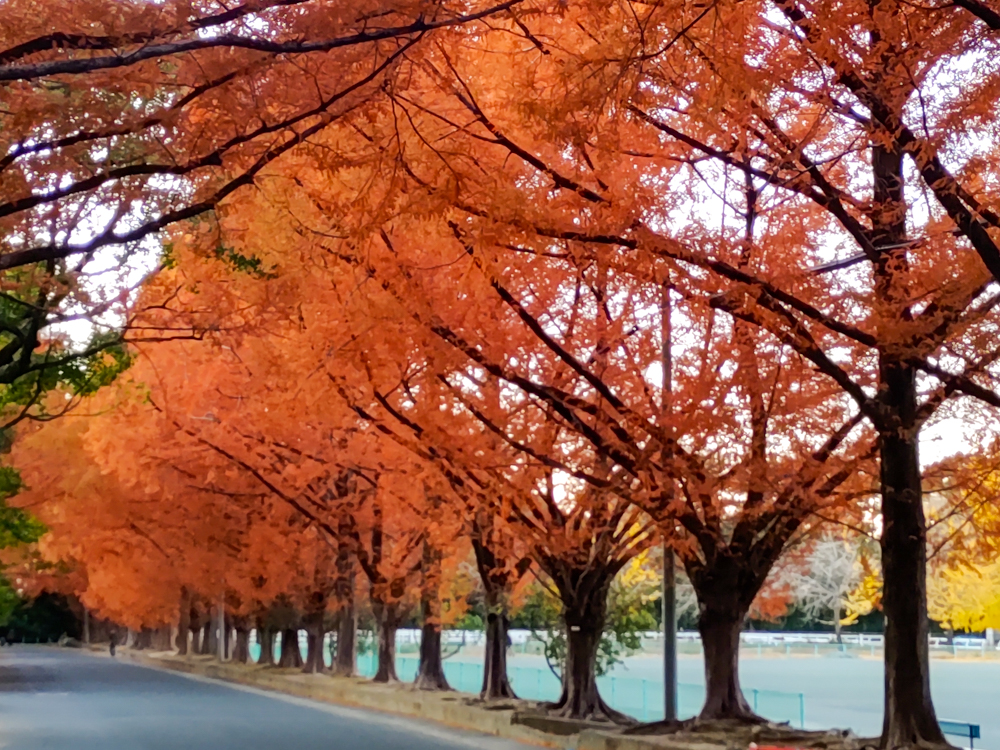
[66, 700]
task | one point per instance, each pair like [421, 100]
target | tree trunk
[430, 673]
[720, 637]
[143, 640]
[183, 622]
[387, 624]
[836, 624]
[346, 659]
[910, 718]
[580, 697]
[227, 634]
[496, 684]
[291, 657]
[583, 618]
[241, 648]
[345, 665]
[265, 637]
[161, 639]
[313, 624]
[497, 579]
[209, 645]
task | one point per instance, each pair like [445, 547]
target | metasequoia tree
[604, 132]
[253, 437]
[578, 536]
[575, 351]
[134, 117]
[123, 119]
[134, 554]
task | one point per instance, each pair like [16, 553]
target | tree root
[755, 730]
[432, 682]
[595, 710]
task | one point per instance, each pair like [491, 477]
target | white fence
[959, 644]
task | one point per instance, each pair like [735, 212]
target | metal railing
[634, 696]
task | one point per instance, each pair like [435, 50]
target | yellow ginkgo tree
[965, 598]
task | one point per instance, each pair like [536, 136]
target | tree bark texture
[160, 640]
[584, 608]
[720, 637]
[346, 659]
[183, 622]
[430, 673]
[241, 647]
[265, 637]
[209, 642]
[726, 585]
[388, 622]
[143, 639]
[909, 717]
[291, 657]
[496, 684]
[345, 663]
[497, 580]
[313, 624]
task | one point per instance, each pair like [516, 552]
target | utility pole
[669, 583]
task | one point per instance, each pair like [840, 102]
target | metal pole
[669, 584]
[669, 636]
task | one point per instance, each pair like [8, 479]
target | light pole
[669, 583]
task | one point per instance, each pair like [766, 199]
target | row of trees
[561, 280]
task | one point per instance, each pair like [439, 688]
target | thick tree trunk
[313, 624]
[430, 668]
[184, 622]
[909, 711]
[209, 644]
[241, 648]
[160, 640]
[584, 622]
[720, 637]
[143, 639]
[909, 717]
[430, 673]
[227, 635]
[496, 684]
[387, 624]
[580, 697]
[265, 637]
[346, 661]
[291, 657]
[497, 579]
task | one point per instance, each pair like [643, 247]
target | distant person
[114, 641]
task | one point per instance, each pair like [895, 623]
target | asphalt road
[53, 699]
